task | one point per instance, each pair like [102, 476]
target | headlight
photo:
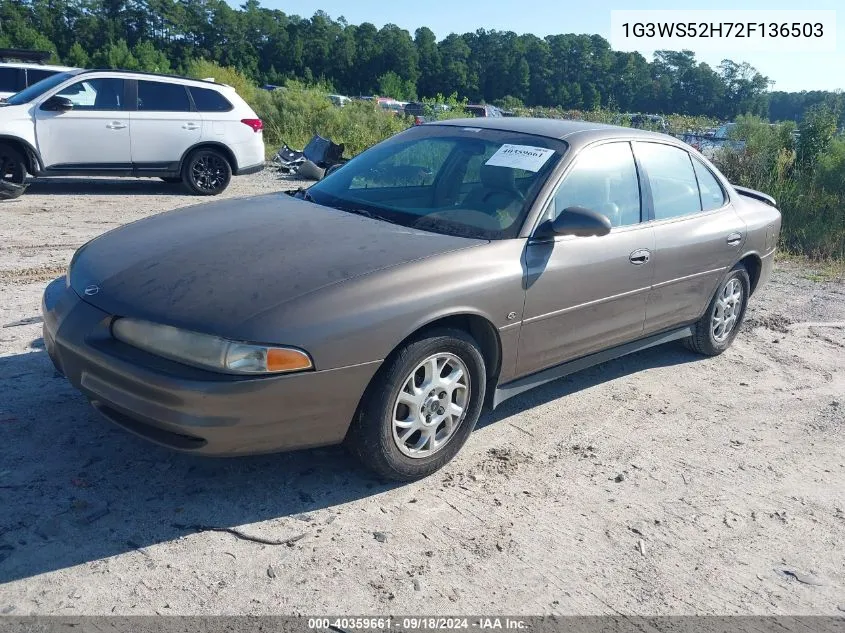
[207, 351]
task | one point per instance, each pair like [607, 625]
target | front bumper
[190, 409]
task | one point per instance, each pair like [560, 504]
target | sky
[790, 71]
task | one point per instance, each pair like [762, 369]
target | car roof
[581, 131]
[36, 65]
[142, 74]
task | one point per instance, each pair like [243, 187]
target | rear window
[34, 75]
[159, 96]
[209, 100]
[10, 79]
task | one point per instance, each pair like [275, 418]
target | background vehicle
[481, 110]
[20, 69]
[510, 252]
[339, 100]
[116, 123]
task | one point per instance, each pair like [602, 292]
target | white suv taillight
[256, 124]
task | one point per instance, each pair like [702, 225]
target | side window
[674, 188]
[159, 96]
[209, 100]
[603, 179]
[103, 93]
[11, 79]
[712, 196]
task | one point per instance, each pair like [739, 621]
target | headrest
[501, 178]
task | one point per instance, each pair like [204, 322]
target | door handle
[190, 126]
[734, 239]
[115, 125]
[640, 257]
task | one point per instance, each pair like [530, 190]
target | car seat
[107, 97]
[496, 192]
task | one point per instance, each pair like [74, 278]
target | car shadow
[70, 185]
[666, 355]
[75, 488]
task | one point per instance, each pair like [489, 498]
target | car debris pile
[313, 161]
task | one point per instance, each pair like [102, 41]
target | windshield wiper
[364, 212]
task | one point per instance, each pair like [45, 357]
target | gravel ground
[660, 483]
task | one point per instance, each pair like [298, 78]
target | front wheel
[421, 407]
[12, 173]
[206, 172]
[716, 330]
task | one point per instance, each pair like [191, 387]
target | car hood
[211, 267]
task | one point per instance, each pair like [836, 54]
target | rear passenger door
[697, 233]
[163, 125]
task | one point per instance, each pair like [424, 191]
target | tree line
[269, 46]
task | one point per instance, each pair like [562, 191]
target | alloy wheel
[431, 405]
[208, 172]
[727, 310]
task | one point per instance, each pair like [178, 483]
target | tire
[12, 172]
[171, 180]
[310, 171]
[375, 438]
[206, 172]
[714, 332]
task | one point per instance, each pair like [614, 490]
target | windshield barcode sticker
[520, 157]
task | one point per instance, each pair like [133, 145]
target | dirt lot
[661, 483]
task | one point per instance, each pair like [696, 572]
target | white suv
[120, 123]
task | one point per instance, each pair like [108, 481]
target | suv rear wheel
[206, 172]
[12, 172]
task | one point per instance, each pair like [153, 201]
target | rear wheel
[421, 407]
[716, 330]
[207, 172]
[12, 172]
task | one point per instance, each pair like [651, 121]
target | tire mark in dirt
[31, 275]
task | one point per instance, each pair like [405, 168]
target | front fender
[364, 319]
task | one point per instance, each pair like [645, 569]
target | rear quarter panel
[226, 128]
[763, 224]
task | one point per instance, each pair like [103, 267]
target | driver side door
[94, 135]
[585, 294]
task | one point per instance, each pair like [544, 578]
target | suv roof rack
[149, 74]
[23, 55]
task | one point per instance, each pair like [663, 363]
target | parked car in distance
[448, 268]
[20, 69]
[339, 100]
[117, 123]
[481, 110]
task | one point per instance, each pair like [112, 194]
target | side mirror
[57, 104]
[576, 221]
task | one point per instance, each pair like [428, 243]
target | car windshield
[447, 179]
[37, 89]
